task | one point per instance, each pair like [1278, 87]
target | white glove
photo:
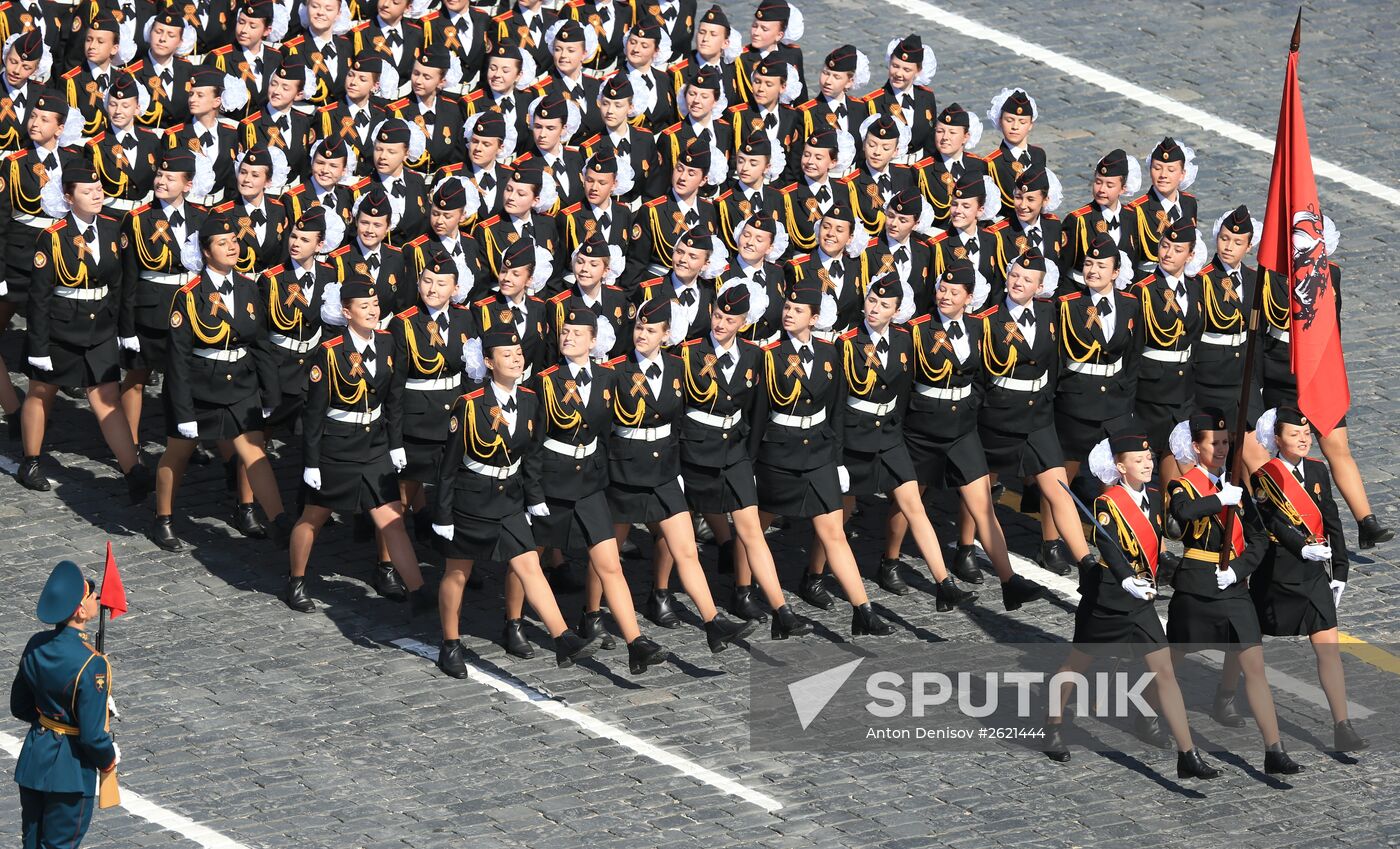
[680, 481]
[112, 707]
[312, 478]
[130, 343]
[188, 430]
[1337, 587]
[116, 750]
[267, 412]
[537, 510]
[1230, 494]
[1319, 552]
[1138, 588]
[42, 363]
[1226, 578]
[4, 288]
[843, 476]
[399, 458]
[445, 531]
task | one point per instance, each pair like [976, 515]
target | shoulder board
[572, 209]
[592, 140]
[476, 93]
[724, 195]
[799, 259]
[140, 209]
[332, 343]
[224, 207]
[1137, 200]
[228, 122]
[19, 154]
[923, 88]
[503, 17]
[771, 345]
[295, 42]
[57, 225]
[393, 249]
[484, 301]
[927, 161]
[942, 234]
[673, 128]
[418, 241]
[993, 155]
[170, 131]
[687, 343]
[252, 119]
[921, 319]
[551, 370]
[681, 65]
[738, 107]
[808, 105]
[985, 313]
[398, 104]
[848, 179]
[1193, 197]
[360, 27]
[448, 98]
[477, 393]
[275, 270]
[561, 297]
[819, 339]
[190, 285]
[974, 157]
[526, 389]
[97, 138]
[491, 222]
[105, 217]
[999, 226]
[535, 299]
[340, 251]
[1207, 268]
[642, 131]
[221, 51]
[299, 188]
[617, 360]
[1084, 210]
[871, 95]
[1146, 280]
[849, 334]
[1132, 296]
[1050, 216]
[1071, 296]
[272, 201]
[657, 201]
[382, 332]
[874, 240]
[901, 165]
[329, 107]
[408, 313]
[785, 189]
[72, 72]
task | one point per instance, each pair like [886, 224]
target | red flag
[1292, 246]
[113, 595]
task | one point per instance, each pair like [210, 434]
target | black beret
[617, 87]
[908, 202]
[450, 194]
[215, 224]
[707, 78]
[123, 84]
[552, 106]
[697, 155]
[824, 138]
[570, 33]
[333, 148]
[1102, 246]
[698, 238]
[51, 101]
[392, 131]
[603, 162]
[437, 260]
[883, 127]
[1032, 260]
[434, 56]
[757, 144]
[771, 67]
[715, 15]
[257, 9]
[203, 75]
[970, 186]
[258, 156]
[518, 254]
[595, 246]
[368, 62]
[491, 125]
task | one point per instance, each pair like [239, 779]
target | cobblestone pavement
[280, 730]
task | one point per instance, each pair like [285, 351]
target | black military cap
[51, 101]
[375, 202]
[595, 246]
[970, 186]
[490, 125]
[203, 75]
[450, 194]
[176, 160]
[807, 291]
[1124, 443]
[733, 300]
[883, 127]
[507, 51]
[715, 15]
[1207, 418]
[216, 223]
[698, 238]
[356, 286]
[603, 162]
[842, 59]
[1181, 231]
[960, 272]
[654, 311]
[1034, 178]
[80, 173]
[764, 223]
[1238, 221]
[771, 67]
[392, 131]
[368, 62]
[552, 106]
[757, 144]
[908, 202]
[1019, 103]
[434, 56]
[168, 18]
[1102, 246]
[333, 148]
[105, 22]
[518, 254]
[1167, 150]
[312, 219]
[571, 32]
[888, 287]
[528, 170]
[578, 313]
[1114, 164]
[707, 78]
[499, 336]
[258, 156]
[953, 115]
[909, 49]
[1289, 415]
[123, 85]
[840, 211]
[646, 27]
[1031, 260]
[257, 9]
[437, 260]
[824, 138]
[773, 10]
[697, 155]
[617, 87]
[29, 46]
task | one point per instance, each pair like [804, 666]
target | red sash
[1302, 503]
[1200, 482]
[1149, 544]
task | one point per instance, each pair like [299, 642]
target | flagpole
[1251, 350]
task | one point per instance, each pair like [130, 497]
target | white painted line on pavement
[943, 17]
[142, 807]
[599, 728]
[1278, 680]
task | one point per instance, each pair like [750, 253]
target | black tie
[956, 170]
[605, 221]
[509, 405]
[176, 219]
[1026, 318]
[398, 191]
[692, 218]
[725, 361]
[1145, 509]
[1298, 473]
[1024, 158]
[1180, 289]
[21, 102]
[328, 52]
[686, 296]
[823, 196]
[515, 316]
[651, 83]
[1111, 222]
[771, 121]
[669, 14]
[1174, 214]
[528, 231]
[805, 355]
[430, 117]
[362, 118]
[507, 104]
[906, 101]
[537, 24]
[883, 346]
[102, 82]
[901, 255]
[305, 279]
[834, 271]
[50, 161]
[1033, 236]
[486, 181]
[624, 146]
[1105, 306]
[285, 125]
[226, 287]
[167, 77]
[583, 377]
[1235, 276]
[258, 217]
[373, 261]
[206, 140]
[393, 39]
[257, 68]
[604, 13]
[972, 246]
[90, 235]
[653, 371]
[885, 183]
[841, 110]
[703, 135]
[130, 141]
[955, 330]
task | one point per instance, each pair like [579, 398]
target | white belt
[1167, 356]
[351, 416]
[797, 421]
[423, 384]
[82, 294]
[168, 278]
[500, 473]
[1096, 369]
[712, 420]
[952, 393]
[1018, 385]
[227, 355]
[1280, 335]
[870, 406]
[1228, 340]
[296, 346]
[569, 449]
[656, 269]
[644, 434]
[43, 222]
[211, 199]
[126, 205]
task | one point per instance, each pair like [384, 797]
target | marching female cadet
[721, 389]
[1280, 386]
[486, 478]
[877, 362]
[1116, 601]
[1017, 417]
[63, 690]
[1211, 605]
[1100, 343]
[1292, 593]
[1169, 301]
[594, 267]
[1217, 364]
[428, 378]
[968, 238]
[124, 156]
[76, 313]
[262, 219]
[758, 247]
[940, 428]
[295, 293]
[221, 381]
[352, 444]
[522, 267]
[575, 419]
[644, 469]
[795, 441]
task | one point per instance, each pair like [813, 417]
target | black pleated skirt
[355, 487]
[881, 472]
[1196, 619]
[74, 365]
[798, 495]
[1291, 610]
[637, 504]
[495, 540]
[710, 490]
[574, 527]
[944, 464]
[1023, 454]
[218, 421]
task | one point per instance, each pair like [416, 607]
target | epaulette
[999, 226]
[872, 94]
[329, 107]
[138, 210]
[1146, 281]
[921, 319]
[985, 313]
[535, 299]
[276, 269]
[1186, 194]
[687, 343]
[1133, 204]
[294, 42]
[398, 104]
[785, 189]
[642, 130]
[72, 72]
[657, 201]
[808, 105]
[542, 82]
[269, 199]
[131, 68]
[525, 389]
[771, 345]
[551, 370]
[749, 342]
[57, 225]
[616, 360]
[572, 209]
[925, 162]
[799, 259]
[1084, 210]
[612, 287]
[105, 217]
[592, 140]
[673, 128]
[819, 339]
[484, 301]
[448, 98]
[220, 51]
[97, 138]
[476, 393]
[360, 27]
[190, 285]
[476, 93]
[874, 240]
[561, 297]
[408, 313]
[899, 165]
[899, 328]
[502, 17]
[942, 234]
[251, 119]
[1210, 266]
[993, 155]
[849, 334]
[18, 154]
[170, 131]
[417, 241]
[228, 122]
[846, 180]
[1071, 296]
[224, 207]
[493, 220]
[681, 65]
[723, 195]
[385, 246]
[299, 188]
[738, 107]
[1126, 294]
[974, 156]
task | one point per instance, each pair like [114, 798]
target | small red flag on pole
[113, 596]
[1292, 246]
